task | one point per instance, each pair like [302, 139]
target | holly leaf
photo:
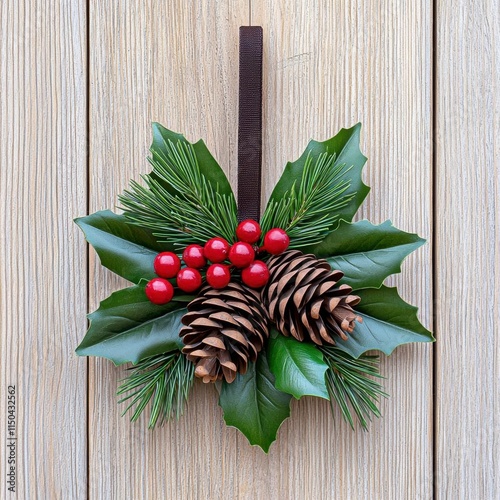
[388, 322]
[299, 367]
[253, 405]
[127, 327]
[206, 162]
[366, 253]
[304, 177]
[124, 248]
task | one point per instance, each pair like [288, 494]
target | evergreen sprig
[350, 383]
[309, 210]
[178, 204]
[165, 380]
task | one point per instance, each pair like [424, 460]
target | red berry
[248, 231]
[159, 291]
[276, 241]
[188, 279]
[218, 275]
[241, 254]
[216, 249]
[255, 275]
[193, 256]
[167, 264]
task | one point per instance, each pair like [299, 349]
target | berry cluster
[241, 255]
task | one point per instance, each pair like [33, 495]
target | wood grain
[43, 267]
[467, 250]
[326, 66]
[176, 63]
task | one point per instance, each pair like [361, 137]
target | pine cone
[225, 329]
[304, 302]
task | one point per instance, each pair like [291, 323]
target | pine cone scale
[236, 336]
[245, 323]
[201, 353]
[205, 323]
[214, 342]
[316, 308]
[284, 280]
[306, 276]
[216, 303]
[243, 308]
[223, 317]
[284, 298]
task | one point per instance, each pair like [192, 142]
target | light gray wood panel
[329, 65]
[467, 249]
[43, 263]
[175, 63]
[325, 67]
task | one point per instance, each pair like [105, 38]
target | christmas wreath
[287, 306]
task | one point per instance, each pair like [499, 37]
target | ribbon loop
[250, 123]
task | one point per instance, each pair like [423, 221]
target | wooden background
[80, 83]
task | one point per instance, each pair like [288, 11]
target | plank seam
[433, 234]
[87, 131]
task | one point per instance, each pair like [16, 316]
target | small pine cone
[224, 330]
[304, 302]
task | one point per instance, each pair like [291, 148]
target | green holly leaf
[388, 322]
[127, 327]
[253, 405]
[299, 367]
[206, 162]
[366, 253]
[123, 248]
[320, 188]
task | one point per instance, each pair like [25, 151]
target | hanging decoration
[268, 308]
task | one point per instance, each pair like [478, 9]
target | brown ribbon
[250, 123]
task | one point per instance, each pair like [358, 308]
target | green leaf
[123, 248]
[388, 322]
[366, 253]
[299, 367]
[127, 327]
[253, 405]
[207, 164]
[345, 147]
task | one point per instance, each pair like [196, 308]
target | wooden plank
[467, 249]
[43, 152]
[176, 63]
[329, 65]
[325, 67]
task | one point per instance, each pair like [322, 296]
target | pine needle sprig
[351, 384]
[164, 380]
[309, 210]
[178, 204]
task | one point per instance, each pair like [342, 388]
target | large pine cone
[224, 330]
[304, 302]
